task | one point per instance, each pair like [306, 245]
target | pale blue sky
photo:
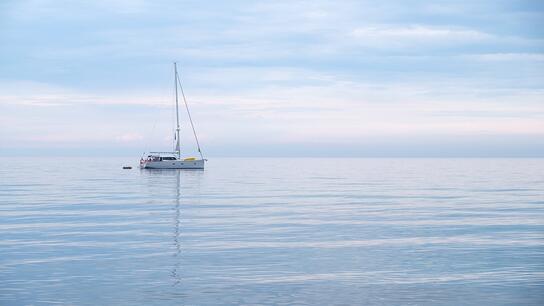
[277, 78]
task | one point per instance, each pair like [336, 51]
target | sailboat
[173, 160]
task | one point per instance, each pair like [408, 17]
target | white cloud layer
[285, 72]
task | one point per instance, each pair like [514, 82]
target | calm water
[273, 231]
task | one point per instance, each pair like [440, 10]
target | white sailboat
[173, 160]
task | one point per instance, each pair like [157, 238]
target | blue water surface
[288, 231]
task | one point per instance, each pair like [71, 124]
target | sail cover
[177, 149]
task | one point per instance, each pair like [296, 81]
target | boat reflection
[184, 183]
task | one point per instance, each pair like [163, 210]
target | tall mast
[177, 111]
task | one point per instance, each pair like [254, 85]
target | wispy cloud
[279, 72]
[509, 57]
[419, 33]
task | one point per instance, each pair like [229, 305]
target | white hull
[174, 164]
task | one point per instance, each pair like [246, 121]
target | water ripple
[246, 231]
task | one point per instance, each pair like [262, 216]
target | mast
[177, 149]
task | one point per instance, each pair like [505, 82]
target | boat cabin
[158, 157]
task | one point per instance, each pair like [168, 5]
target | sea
[272, 231]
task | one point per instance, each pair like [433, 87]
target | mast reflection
[159, 178]
[191, 190]
[177, 232]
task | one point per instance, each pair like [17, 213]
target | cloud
[36, 10]
[507, 57]
[326, 107]
[38, 94]
[130, 137]
[283, 71]
[418, 32]
[395, 37]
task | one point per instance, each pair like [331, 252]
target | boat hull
[174, 164]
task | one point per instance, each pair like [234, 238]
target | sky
[274, 78]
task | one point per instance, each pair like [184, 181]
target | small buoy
[127, 167]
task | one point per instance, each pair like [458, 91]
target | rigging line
[190, 119]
